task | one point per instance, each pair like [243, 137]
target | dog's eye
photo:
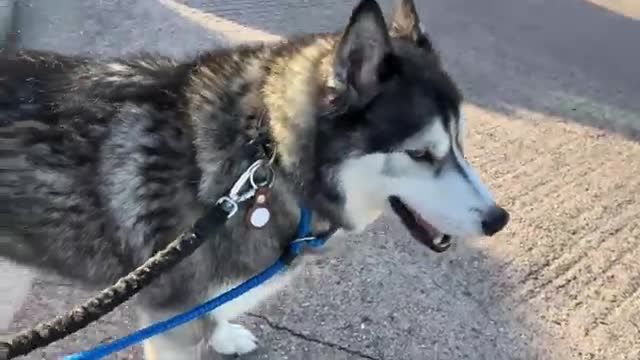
[421, 155]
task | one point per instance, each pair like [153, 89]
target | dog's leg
[230, 339]
[186, 342]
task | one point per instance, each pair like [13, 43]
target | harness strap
[303, 239]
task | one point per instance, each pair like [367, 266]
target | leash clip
[228, 205]
[237, 195]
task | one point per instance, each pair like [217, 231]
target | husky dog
[104, 161]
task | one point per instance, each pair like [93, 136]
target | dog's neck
[274, 91]
[290, 95]
[293, 95]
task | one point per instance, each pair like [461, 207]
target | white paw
[230, 339]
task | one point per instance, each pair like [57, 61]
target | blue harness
[304, 239]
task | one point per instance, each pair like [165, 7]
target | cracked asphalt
[552, 90]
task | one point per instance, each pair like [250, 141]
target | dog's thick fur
[105, 161]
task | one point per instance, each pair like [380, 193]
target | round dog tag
[258, 215]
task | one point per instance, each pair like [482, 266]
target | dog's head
[391, 133]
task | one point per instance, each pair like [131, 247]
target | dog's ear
[406, 23]
[363, 58]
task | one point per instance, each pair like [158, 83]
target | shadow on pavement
[567, 58]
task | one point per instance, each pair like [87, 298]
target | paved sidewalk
[561, 283]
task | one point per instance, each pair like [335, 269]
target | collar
[304, 238]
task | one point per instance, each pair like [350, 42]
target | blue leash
[303, 239]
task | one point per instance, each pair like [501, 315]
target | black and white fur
[105, 161]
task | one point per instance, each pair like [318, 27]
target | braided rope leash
[48, 332]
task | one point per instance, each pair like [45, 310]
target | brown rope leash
[108, 299]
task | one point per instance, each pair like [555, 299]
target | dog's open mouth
[419, 228]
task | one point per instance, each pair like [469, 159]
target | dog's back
[22, 108]
[58, 114]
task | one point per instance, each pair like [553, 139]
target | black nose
[495, 220]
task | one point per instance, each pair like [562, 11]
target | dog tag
[258, 215]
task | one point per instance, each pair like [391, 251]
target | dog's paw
[230, 339]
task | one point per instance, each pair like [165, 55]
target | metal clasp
[248, 178]
[228, 205]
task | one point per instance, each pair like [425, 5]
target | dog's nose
[495, 220]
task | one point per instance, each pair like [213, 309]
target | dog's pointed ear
[406, 23]
[363, 56]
